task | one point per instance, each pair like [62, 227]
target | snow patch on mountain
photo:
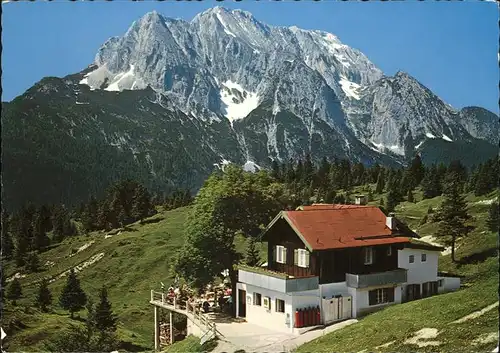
[238, 102]
[446, 138]
[349, 88]
[429, 135]
[224, 26]
[250, 166]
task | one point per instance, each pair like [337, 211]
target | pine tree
[380, 182]
[33, 262]
[410, 197]
[453, 213]
[14, 291]
[3, 285]
[308, 170]
[44, 297]
[104, 318]
[275, 170]
[89, 215]
[322, 175]
[252, 254]
[492, 221]
[416, 171]
[72, 298]
[431, 183]
[370, 195]
[6, 243]
[392, 200]
[330, 196]
[40, 238]
[142, 204]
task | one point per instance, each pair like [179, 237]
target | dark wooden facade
[330, 265]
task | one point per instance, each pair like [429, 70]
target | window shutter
[275, 253]
[306, 255]
[296, 257]
[284, 255]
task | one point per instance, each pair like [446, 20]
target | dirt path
[476, 314]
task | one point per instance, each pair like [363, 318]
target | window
[281, 254]
[257, 299]
[280, 306]
[301, 257]
[440, 283]
[412, 259]
[381, 296]
[267, 303]
[389, 251]
[368, 256]
[429, 289]
[423, 257]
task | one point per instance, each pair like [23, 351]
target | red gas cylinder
[313, 316]
[308, 317]
[318, 315]
[301, 318]
[304, 322]
[297, 315]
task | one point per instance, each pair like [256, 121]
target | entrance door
[242, 303]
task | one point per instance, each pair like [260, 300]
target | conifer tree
[330, 196]
[380, 182]
[142, 206]
[104, 318]
[40, 238]
[3, 285]
[72, 298]
[392, 200]
[6, 242]
[410, 197]
[416, 171]
[44, 297]
[275, 170]
[14, 291]
[370, 195]
[453, 213]
[32, 262]
[252, 253]
[492, 221]
[431, 183]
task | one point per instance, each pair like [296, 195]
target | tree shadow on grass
[478, 257]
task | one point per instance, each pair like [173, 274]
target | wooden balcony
[280, 282]
[376, 279]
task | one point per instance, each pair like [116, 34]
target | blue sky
[451, 47]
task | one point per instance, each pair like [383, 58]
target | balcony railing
[280, 282]
[376, 279]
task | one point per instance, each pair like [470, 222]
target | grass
[191, 344]
[137, 260]
[134, 262]
[478, 264]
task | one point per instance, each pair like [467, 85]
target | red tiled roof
[342, 226]
[319, 206]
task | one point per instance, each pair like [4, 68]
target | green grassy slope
[135, 261]
[477, 262]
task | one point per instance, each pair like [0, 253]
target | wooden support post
[157, 330]
[174, 302]
[152, 295]
[163, 297]
[171, 329]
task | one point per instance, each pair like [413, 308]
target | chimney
[389, 221]
[360, 200]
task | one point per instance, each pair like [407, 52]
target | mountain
[171, 100]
